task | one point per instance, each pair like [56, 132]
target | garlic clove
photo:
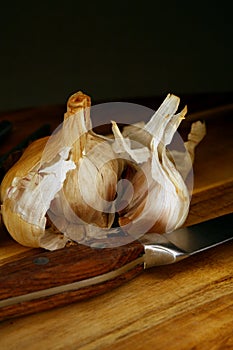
[33, 182]
[27, 199]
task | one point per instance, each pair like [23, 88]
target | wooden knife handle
[35, 272]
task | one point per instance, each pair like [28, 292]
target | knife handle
[38, 280]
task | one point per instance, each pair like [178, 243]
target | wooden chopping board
[181, 306]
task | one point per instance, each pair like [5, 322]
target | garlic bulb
[70, 186]
[41, 195]
[161, 199]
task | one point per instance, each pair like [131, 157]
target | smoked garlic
[73, 185]
[43, 203]
[161, 198]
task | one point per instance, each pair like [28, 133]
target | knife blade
[37, 280]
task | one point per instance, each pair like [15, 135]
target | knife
[39, 280]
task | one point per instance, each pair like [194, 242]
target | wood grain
[22, 275]
[188, 305]
[210, 202]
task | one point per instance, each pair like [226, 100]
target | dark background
[113, 50]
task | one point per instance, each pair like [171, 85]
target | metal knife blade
[184, 242]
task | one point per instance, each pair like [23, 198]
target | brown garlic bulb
[50, 183]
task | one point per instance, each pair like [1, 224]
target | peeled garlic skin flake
[64, 187]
